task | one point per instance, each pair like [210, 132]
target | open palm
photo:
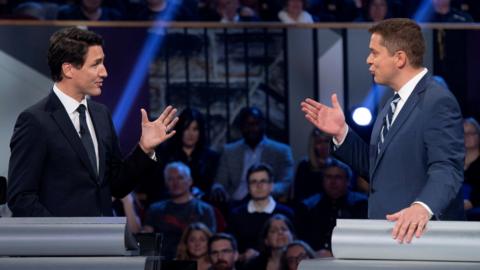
[330, 120]
[157, 131]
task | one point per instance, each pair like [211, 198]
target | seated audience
[246, 221]
[189, 145]
[193, 245]
[267, 10]
[471, 184]
[310, 169]
[320, 212]
[171, 217]
[254, 148]
[441, 11]
[333, 10]
[294, 12]
[163, 10]
[375, 11]
[88, 10]
[294, 253]
[229, 11]
[222, 250]
[276, 234]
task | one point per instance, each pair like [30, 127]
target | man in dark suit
[65, 158]
[415, 157]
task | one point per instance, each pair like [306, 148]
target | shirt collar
[408, 88]
[67, 101]
[268, 209]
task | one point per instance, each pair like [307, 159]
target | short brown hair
[70, 45]
[400, 34]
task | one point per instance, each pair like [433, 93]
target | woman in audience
[194, 245]
[294, 12]
[189, 145]
[295, 252]
[277, 233]
[310, 169]
[472, 168]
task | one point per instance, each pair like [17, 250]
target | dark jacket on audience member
[319, 216]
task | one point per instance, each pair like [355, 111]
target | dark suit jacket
[49, 170]
[421, 159]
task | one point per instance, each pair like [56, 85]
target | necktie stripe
[387, 121]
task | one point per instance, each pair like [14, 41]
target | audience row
[287, 11]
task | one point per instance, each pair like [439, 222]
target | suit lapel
[65, 124]
[401, 118]
[97, 119]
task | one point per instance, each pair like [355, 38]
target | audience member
[471, 184]
[254, 148]
[222, 249]
[277, 233]
[163, 10]
[88, 10]
[333, 10]
[125, 207]
[267, 10]
[375, 11]
[193, 245]
[442, 11]
[320, 212]
[247, 220]
[189, 145]
[228, 11]
[294, 253]
[294, 12]
[310, 169]
[170, 217]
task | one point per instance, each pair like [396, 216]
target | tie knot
[396, 98]
[81, 109]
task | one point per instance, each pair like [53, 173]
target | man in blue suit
[65, 158]
[415, 157]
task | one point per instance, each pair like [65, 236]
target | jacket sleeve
[28, 150]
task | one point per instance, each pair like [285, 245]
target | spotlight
[362, 116]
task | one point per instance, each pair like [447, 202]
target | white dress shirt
[71, 106]
[267, 209]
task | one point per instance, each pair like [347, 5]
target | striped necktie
[387, 121]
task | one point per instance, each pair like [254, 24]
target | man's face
[88, 79]
[91, 5]
[260, 185]
[222, 255]
[177, 183]
[335, 182]
[252, 130]
[382, 63]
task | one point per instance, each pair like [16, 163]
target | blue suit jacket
[49, 170]
[421, 159]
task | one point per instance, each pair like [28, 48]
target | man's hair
[180, 167]
[335, 163]
[70, 45]
[222, 236]
[262, 167]
[246, 112]
[401, 34]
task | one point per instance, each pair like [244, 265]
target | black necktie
[86, 137]
[387, 121]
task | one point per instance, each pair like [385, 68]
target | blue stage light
[362, 116]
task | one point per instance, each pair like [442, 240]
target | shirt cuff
[339, 143]
[425, 206]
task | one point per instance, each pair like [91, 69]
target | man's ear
[67, 70]
[401, 59]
